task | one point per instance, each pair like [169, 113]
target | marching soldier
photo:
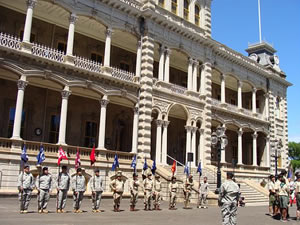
[97, 190]
[78, 186]
[187, 190]
[148, 187]
[43, 184]
[173, 186]
[134, 186]
[25, 187]
[203, 192]
[228, 198]
[156, 193]
[117, 186]
[63, 185]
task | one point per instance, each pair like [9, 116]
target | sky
[235, 24]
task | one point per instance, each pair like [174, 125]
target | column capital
[162, 49]
[240, 132]
[254, 90]
[22, 84]
[135, 109]
[201, 130]
[196, 62]
[194, 129]
[65, 94]
[188, 128]
[167, 51]
[254, 135]
[266, 95]
[267, 138]
[73, 18]
[223, 76]
[166, 123]
[104, 102]
[31, 3]
[139, 44]
[190, 61]
[159, 123]
[240, 83]
[108, 32]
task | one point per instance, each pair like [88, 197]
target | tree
[294, 150]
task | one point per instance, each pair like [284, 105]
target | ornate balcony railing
[178, 89]
[87, 64]
[10, 41]
[46, 52]
[122, 74]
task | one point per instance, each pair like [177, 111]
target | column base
[62, 144]
[136, 79]
[69, 59]
[26, 47]
[107, 70]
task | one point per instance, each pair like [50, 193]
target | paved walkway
[9, 215]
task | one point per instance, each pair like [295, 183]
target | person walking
[78, 187]
[43, 184]
[157, 192]
[117, 186]
[63, 185]
[25, 187]
[148, 187]
[96, 186]
[173, 186]
[228, 199]
[134, 191]
[203, 192]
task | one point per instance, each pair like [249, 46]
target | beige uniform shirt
[271, 187]
[148, 184]
[157, 186]
[188, 185]
[297, 187]
[118, 185]
[134, 185]
[283, 189]
[173, 187]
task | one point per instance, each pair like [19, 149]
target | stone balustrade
[10, 41]
[48, 53]
[122, 74]
[178, 89]
[88, 64]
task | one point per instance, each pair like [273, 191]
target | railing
[87, 64]
[122, 74]
[46, 52]
[10, 41]
[178, 89]
[177, 162]
[241, 168]
[5, 143]
[133, 3]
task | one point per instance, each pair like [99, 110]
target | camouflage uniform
[156, 193]
[173, 190]
[187, 190]
[43, 184]
[97, 190]
[25, 182]
[118, 188]
[63, 186]
[203, 192]
[78, 187]
[148, 188]
[134, 186]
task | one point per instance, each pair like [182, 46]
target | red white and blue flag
[61, 155]
[77, 160]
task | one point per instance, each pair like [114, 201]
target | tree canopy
[294, 150]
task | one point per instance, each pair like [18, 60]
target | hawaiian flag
[24, 156]
[93, 156]
[61, 155]
[41, 156]
[186, 169]
[173, 169]
[153, 169]
[199, 169]
[133, 164]
[115, 163]
[77, 160]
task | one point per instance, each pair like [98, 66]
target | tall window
[197, 15]
[96, 57]
[90, 134]
[11, 121]
[32, 36]
[54, 128]
[124, 66]
[62, 46]
[161, 3]
[174, 6]
[186, 10]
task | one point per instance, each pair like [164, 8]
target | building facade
[134, 77]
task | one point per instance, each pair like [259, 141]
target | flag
[153, 169]
[93, 156]
[199, 169]
[77, 160]
[186, 169]
[133, 164]
[61, 155]
[41, 156]
[290, 173]
[24, 156]
[145, 165]
[115, 163]
[173, 169]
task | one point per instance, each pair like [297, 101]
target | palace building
[135, 77]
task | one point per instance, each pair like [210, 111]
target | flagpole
[22, 176]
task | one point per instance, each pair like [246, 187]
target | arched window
[197, 15]
[161, 3]
[174, 6]
[186, 9]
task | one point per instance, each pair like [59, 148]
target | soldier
[117, 186]
[283, 192]
[272, 197]
[148, 187]
[97, 190]
[187, 190]
[228, 198]
[173, 186]
[203, 192]
[134, 186]
[25, 187]
[63, 185]
[43, 184]
[156, 193]
[78, 187]
[297, 189]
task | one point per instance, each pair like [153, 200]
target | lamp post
[219, 140]
[276, 147]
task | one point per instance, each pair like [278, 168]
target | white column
[223, 151]
[135, 128]
[167, 65]
[28, 21]
[138, 59]
[201, 147]
[254, 100]
[195, 73]
[71, 33]
[240, 147]
[190, 74]
[240, 97]
[223, 88]
[101, 140]
[22, 83]
[161, 63]
[159, 124]
[268, 151]
[254, 150]
[202, 79]
[188, 141]
[107, 47]
[194, 130]
[63, 116]
[267, 105]
[165, 143]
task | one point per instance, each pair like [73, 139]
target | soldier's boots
[45, 211]
[94, 210]
[40, 211]
[118, 209]
[149, 207]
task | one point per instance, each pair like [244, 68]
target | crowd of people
[283, 192]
